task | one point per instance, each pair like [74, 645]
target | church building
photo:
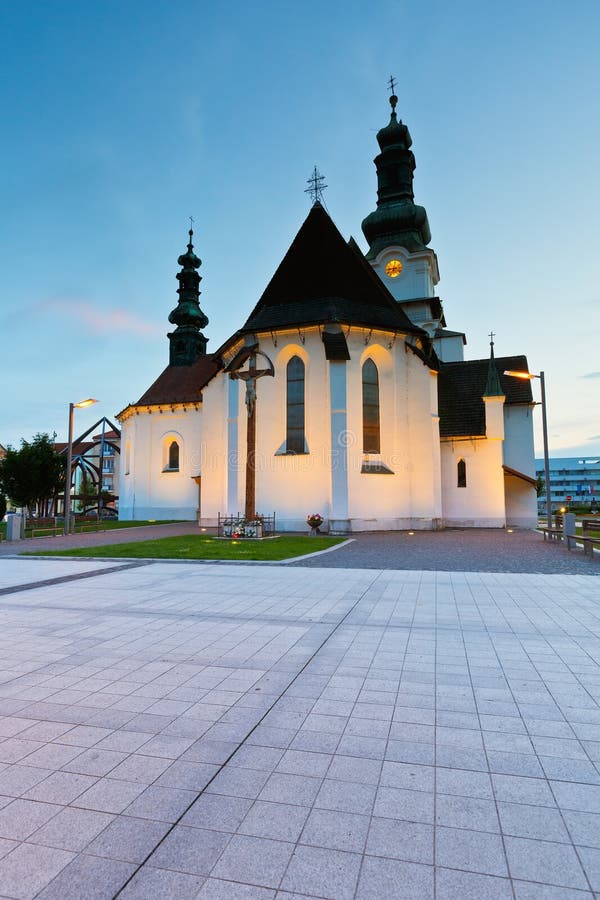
[343, 393]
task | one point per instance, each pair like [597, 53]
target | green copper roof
[187, 343]
[493, 388]
[397, 219]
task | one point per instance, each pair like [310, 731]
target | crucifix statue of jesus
[249, 376]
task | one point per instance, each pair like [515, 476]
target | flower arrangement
[239, 528]
[314, 520]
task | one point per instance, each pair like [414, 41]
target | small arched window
[294, 438]
[173, 462]
[461, 473]
[370, 406]
[127, 458]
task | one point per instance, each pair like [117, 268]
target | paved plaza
[179, 730]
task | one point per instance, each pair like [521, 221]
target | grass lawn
[86, 527]
[112, 524]
[205, 547]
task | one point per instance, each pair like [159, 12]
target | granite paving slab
[228, 731]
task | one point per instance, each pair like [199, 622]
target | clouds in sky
[101, 321]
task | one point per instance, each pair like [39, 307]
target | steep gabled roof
[461, 386]
[323, 279]
[181, 384]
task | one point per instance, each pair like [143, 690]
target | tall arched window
[370, 400]
[461, 473]
[173, 456]
[294, 440]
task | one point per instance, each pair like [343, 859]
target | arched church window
[370, 405]
[294, 441]
[461, 473]
[173, 456]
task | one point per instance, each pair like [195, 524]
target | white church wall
[519, 450]
[214, 460]
[521, 503]
[294, 485]
[481, 503]
[519, 454]
[408, 497]
[449, 349]
[423, 451]
[419, 273]
[151, 490]
[377, 500]
[291, 485]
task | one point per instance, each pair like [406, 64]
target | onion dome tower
[397, 220]
[187, 343]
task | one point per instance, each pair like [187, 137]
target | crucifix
[316, 186]
[249, 376]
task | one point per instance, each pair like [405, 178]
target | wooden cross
[250, 377]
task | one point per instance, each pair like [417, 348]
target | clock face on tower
[393, 268]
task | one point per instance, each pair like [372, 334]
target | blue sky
[121, 119]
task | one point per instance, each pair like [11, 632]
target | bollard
[568, 527]
[568, 524]
[13, 527]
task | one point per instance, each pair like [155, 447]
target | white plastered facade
[410, 484]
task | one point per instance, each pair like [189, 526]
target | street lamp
[529, 376]
[81, 405]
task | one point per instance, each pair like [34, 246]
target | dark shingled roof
[461, 386]
[181, 384]
[323, 279]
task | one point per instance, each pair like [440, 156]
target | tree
[34, 474]
[540, 486]
[87, 492]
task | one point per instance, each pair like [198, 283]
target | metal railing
[237, 526]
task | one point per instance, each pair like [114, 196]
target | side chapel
[368, 414]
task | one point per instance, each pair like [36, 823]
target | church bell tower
[398, 235]
[187, 343]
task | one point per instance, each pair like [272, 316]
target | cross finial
[191, 231]
[316, 186]
[492, 336]
[393, 97]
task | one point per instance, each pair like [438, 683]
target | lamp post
[530, 376]
[72, 406]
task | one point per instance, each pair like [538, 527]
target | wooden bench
[552, 534]
[588, 540]
[588, 525]
[48, 525]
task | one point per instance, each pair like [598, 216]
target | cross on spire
[316, 186]
[393, 97]
[492, 336]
